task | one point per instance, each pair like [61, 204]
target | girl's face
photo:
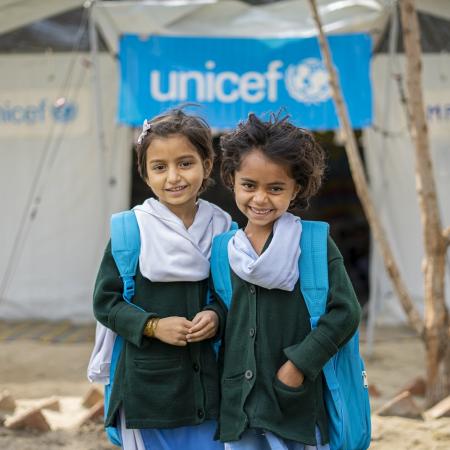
[263, 189]
[175, 172]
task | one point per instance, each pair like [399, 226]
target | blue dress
[187, 438]
[258, 439]
[194, 437]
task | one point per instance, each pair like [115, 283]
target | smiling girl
[272, 394]
[166, 387]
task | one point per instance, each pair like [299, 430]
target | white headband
[145, 128]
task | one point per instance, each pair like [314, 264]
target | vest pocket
[231, 401]
[159, 390]
[157, 364]
[280, 385]
[290, 399]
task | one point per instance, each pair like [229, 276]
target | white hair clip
[145, 128]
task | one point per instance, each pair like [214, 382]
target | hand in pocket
[289, 375]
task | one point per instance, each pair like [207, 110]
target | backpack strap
[313, 268]
[220, 267]
[125, 248]
[233, 227]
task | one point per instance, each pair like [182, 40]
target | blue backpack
[345, 390]
[125, 249]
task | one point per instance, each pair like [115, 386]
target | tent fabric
[15, 14]
[390, 159]
[434, 35]
[287, 18]
[66, 226]
[63, 32]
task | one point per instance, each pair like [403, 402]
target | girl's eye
[276, 189]
[158, 167]
[248, 185]
[186, 164]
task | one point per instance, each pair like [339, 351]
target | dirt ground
[31, 369]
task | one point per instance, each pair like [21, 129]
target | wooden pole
[361, 185]
[435, 239]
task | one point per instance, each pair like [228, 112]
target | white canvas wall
[390, 162]
[59, 252]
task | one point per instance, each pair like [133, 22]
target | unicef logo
[64, 112]
[307, 82]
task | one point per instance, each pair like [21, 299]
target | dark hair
[282, 142]
[176, 121]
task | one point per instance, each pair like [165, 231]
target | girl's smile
[177, 189]
[175, 173]
[263, 190]
[260, 212]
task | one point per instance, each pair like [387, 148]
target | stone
[32, 419]
[416, 386]
[402, 405]
[93, 414]
[441, 409]
[51, 403]
[7, 402]
[92, 397]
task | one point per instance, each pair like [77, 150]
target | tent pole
[99, 122]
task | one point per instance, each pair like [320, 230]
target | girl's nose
[260, 197]
[173, 175]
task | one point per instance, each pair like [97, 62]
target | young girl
[166, 389]
[272, 376]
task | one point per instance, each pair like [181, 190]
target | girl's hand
[205, 325]
[289, 375]
[173, 330]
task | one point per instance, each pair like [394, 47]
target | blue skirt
[196, 437]
[257, 439]
[187, 438]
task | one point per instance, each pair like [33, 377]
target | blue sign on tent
[231, 77]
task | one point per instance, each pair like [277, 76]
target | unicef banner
[232, 77]
[35, 112]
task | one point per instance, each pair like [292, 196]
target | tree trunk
[436, 315]
[361, 185]
[435, 329]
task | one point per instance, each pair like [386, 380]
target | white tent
[61, 179]
[390, 160]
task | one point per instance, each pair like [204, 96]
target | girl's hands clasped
[179, 331]
[173, 330]
[205, 324]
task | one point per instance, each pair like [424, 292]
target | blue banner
[231, 77]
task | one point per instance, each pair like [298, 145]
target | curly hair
[282, 142]
[176, 122]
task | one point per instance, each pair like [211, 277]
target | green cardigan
[264, 328]
[159, 385]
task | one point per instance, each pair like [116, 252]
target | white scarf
[169, 252]
[277, 266]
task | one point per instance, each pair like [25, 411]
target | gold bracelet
[155, 324]
[150, 327]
